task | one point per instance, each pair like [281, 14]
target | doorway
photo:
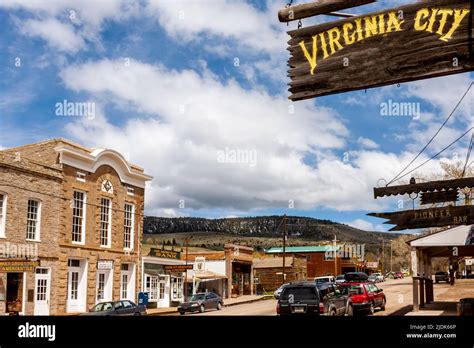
[104, 286]
[42, 291]
[14, 293]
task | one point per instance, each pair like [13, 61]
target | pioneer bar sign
[432, 217]
[412, 42]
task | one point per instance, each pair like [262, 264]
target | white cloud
[68, 26]
[366, 225]
[367, 143]
[189, 20]
[193, 116]
[58, 35]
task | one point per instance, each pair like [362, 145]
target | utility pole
[186, 241]
[335, 255]
[391, 256]
[383, 255]
[284, 246]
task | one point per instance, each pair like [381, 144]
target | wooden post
[416, 305]
[318, 7]
[422, 292]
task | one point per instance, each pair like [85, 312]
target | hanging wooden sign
[418, 41]
[439, 185]
[432, 217]
[439, 197]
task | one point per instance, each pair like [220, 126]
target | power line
[468, 156]
[397, 177]
[447, 147]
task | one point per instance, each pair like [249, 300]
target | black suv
[300, 298]
[441, 277]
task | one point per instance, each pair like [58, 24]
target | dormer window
[80, 176]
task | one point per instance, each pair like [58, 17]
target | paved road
[264, 307]
[397, 291]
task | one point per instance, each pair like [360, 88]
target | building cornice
[90, 162]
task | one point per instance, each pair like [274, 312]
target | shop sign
[200, 264]
[177, 268]
[167, 254]
[18, 266]
[105, 265]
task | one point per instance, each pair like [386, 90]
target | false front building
[70, 228]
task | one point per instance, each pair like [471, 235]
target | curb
[244, 302]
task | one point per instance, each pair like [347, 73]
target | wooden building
[229, 273]
[320, 259]
[268, 271]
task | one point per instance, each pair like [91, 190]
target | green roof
[301, 249]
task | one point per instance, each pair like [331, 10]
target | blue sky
[176, 83]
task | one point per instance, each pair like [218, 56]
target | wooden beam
[318, 7]
[439, 185]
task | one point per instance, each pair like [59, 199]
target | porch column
[429, 280]
[251, 280]
[414, 269]
[422, 292]
[416, 305]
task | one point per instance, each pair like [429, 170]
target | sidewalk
[227, 303]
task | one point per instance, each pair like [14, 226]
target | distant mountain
[265, 226]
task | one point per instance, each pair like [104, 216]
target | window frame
[84, 217]
[131, 227]
[37, 236]
[109, 223]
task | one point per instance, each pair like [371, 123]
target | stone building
[76, 215]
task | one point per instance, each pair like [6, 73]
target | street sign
[177, 268]
[412, 42]
[167, 254]
[432, 217]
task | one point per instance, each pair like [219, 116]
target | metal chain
[300, 24]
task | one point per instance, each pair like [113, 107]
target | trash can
[143, 298]
[466, 307]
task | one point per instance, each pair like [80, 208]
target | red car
[365, 296]
[398, 275]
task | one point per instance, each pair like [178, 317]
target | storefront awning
[208, 275]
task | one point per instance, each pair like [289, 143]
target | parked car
[325, 279]
[380, 277]
[441, 277]
[340, 279]
[335, 301]
[200, 302]
[373, 278]
[117, 308]
[300, 298]
[356, 277]
[398, 275]
[365, 296]
[278, 291]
